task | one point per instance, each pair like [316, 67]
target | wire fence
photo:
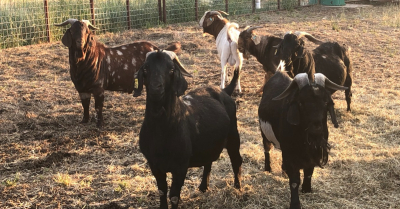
[25, 22]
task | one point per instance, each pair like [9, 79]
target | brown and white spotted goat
[95, 67]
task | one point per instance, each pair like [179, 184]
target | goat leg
[294, 182]
[178, 178]
[267, 148]
[306, 187]
[206, 178]
[99, 102]
[85, 100]
[233, 146]
[162, 186]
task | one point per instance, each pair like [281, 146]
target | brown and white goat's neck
[215, 28]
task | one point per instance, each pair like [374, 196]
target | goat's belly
[266, 129]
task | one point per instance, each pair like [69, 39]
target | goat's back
[329, 60]
[270, 110]
[212, 116]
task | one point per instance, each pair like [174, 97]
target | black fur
[191, 131]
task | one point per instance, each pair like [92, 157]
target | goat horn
[223, 12]
[89, 24]
[322, 80]
[253, 28]
[69, 21]
[300, 79]
[176, 60]
[301, 34]
[289, 32]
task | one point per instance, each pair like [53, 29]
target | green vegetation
[22, 22]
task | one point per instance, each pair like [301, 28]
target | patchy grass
[49, 160]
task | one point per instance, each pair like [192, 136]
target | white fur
[228, 51]
[266, 128]
[119, 52]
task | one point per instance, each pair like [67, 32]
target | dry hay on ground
[48, 160]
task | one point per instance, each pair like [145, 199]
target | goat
[226, 36]
[293, 117]
[329, 58]
[262, 48]
[95, 68]
[178, 133]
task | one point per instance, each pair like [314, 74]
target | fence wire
[23, 22]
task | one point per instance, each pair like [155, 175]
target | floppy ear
[293, 115]
[180, 83]
[67, 39]
[331, 110]
[90, 40]
[138, 90]
[256, 39]
[209, 20]
[300, 51]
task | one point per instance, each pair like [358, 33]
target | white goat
[226, 35]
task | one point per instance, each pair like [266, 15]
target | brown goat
[95, 67]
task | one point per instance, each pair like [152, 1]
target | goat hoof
[202, 188]
[306, 190]
[237, 186]
[100, 125]
[85, 120]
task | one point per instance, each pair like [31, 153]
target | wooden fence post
[299, 3]
[253, 5]
[128, 18]
[92, 11]
[164, 12]
[279, 4]
[196, 9]
[46, 14]
[226, 6]
[159, 11]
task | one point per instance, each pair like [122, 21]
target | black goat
[293, 117]
[329, 58]
[263, 48]
[178, 133]
[95, 67]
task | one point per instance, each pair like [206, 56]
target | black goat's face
[244, 42]
[290, 49]
[162, 75]
[78, 37]
[309, 108]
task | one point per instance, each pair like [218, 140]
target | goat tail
[231, 33]
[231, 87]
[175, 47]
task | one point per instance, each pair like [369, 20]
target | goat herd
[192, 130]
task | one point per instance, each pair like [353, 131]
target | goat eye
[171, 71]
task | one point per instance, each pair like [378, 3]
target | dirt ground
[49, 160]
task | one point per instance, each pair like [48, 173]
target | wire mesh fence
[25, 22]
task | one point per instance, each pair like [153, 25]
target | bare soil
[49, 160]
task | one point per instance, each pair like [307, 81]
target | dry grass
[48, 160]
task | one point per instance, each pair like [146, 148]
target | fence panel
[22, 22]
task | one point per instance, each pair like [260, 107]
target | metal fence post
[128, 18]
[46, 14]
[226, 6]
[92, 11]
[299, 3]
[253, 5]
[196, 9]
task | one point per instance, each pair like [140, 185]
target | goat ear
[209, 20]
[293, 114]
[331, 110]
[67, 39]
[300, 51]
[256, 39]
[180, 83]
[91, 42]
[138, 90]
